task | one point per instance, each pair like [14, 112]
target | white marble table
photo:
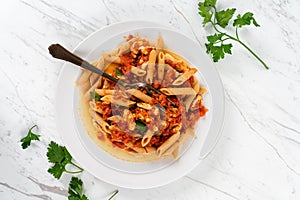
[258, 155]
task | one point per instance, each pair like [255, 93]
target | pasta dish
[134, 124]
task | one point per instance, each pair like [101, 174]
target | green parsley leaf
[218, 51]
[205, 12]
[208, 11]
[60, 156]
[118, 72]
[141, 126]
[26, 141]
[244, 20]
[223, 17]
[214, 38]
[210, 3]
[76, 190]
[95, 96]
[57, 170]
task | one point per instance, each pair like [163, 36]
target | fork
[59, 52]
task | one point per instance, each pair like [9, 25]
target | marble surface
[258, 155]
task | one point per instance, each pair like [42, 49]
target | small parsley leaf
[26, 141]
[76, 190]
[60, 157]
[218, 51]
[118, 72]
[205, 12]
[210, 3]
[95, 96]
[141, 126]
[214, 38]
[246, 19]
[223, 17]
[56, 170]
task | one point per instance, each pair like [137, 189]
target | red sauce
[174, 117]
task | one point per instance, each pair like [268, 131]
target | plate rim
[77, 48]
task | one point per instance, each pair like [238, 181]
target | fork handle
[59, 52]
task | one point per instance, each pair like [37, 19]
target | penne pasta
[161, 66]
[84, 77]
[103, 124]
[112, 59]
[87, 94]
[129, 119]
[185, 76]
[196, 85]
[147, 137]
[146, 106]
[178, 91]
[171, 149]
[195, 102]
[160, 44]
[151, 67]
[101, 134]
[178, 64]
[125, 47]
[129, 122]
[93, 78]
[103, 92]
[140, 95]
[137, 71]
[115, 118]
[150, 150]
[188, 101]
[169, 142]
[96, 108]
[106, 84]
[140, 150]
[144, 65]
[121, 102]
[202, 90]
[100, 63]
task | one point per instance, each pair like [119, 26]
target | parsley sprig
[26, 141]
[76, 189]
[95, 96]
[113, 194]
[141, 126]
[217, 45]
[60, 156]
[118, 72]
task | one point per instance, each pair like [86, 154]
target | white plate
[126, 174]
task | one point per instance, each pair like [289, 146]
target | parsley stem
[114, 194]
[215, 10]
[254, 54]
[77, 172]
[236, 33]
[32, 128]
[80, 169]
[250, 50]
[243, 44]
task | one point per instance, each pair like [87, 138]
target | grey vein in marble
[286, 127]
[86, 25]
[213, 187]
[110, 12]
[52, 189]
[60, 23]
[187, 21]
[40, 196]
[259, 135]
